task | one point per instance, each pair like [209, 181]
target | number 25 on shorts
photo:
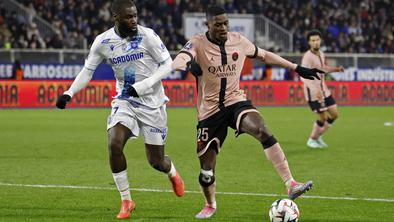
[202, 134]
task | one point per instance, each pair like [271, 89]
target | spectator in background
[1, 41]
[352, 18]
[268, 72]
[31, 13]
[56, 41]
[17, 71]
[5, 32]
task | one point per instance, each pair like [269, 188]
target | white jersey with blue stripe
[132, 59]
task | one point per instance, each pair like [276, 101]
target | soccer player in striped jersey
[216, 59]
[316, 91]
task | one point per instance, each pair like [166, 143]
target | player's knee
[320, 122]
[115, 147]
[333, 116]
[332, 119]
[206, 178]
[263, 133]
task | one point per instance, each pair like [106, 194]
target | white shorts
[151, 122]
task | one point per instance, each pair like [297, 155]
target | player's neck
[315, 51]
[124, 34]
[215, 41]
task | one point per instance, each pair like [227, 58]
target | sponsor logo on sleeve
[105, 41]
[188, 46]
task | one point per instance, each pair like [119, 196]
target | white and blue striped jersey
[133, 60]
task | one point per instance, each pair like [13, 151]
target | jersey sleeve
[248, 47]
[324, 59]
[190, 48]
[157, 48]
[95, 56]
[306, 62]
[186, 55]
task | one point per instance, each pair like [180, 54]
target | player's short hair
[214, 11]
[117, 5]
[313, 33]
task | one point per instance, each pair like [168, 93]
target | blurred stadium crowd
[353, 26]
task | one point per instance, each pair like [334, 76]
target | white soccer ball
[284, 210]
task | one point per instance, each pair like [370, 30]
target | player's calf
[207, 182]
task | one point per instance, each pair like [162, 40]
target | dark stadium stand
[347, 25]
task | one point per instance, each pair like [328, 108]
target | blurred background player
[135, 53]
[216, 59]
[316, 91]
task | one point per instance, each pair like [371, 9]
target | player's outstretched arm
[144, 87]
[330, 69]
[80, 82]
[85, 75]
[274, 59]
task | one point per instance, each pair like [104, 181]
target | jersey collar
[213, 41]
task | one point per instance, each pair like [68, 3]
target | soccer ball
[284, 210]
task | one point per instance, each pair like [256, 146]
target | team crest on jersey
[235, 56]
[133, 44]
[188, 46]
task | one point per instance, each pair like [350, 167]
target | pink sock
[279, 161]
[316, 131]
[209, 193]
[325, 128]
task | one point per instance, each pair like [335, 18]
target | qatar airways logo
[223, 70]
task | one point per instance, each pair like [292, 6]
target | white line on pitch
[191, 191]
[388, 124]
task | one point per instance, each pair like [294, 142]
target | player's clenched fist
[62, 101]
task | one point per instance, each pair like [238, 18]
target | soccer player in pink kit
[216, 59]
[316, 92]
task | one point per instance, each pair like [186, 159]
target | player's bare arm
[330, 69]
[274, 59]
[181, 62]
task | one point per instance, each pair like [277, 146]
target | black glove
[62, 101]
[131, 91]
[194, 68]
[308, 73]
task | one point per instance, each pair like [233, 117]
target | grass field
[62, 154]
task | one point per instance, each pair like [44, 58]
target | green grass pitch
[67, 149]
